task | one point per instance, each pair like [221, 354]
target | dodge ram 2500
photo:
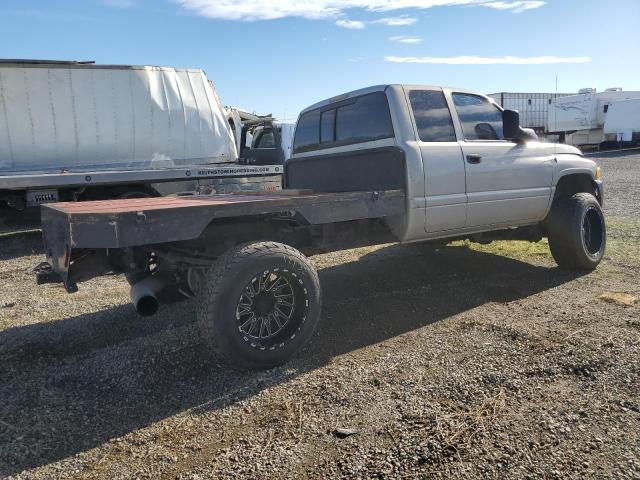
[391, 163]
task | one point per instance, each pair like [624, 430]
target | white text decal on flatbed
[238, 171]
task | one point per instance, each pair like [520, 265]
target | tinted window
[362, 119]
[307, 130]
[366, 119]
[480, 119]
[327, 126]
[432, 115]
[266, 140]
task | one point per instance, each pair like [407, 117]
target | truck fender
[573, 180]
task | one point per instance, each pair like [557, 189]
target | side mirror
[511, 124]
[512, 129]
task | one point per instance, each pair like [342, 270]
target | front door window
[480, 119]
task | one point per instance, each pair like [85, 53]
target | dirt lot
[464, 362]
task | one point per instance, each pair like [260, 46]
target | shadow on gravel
[73, 385]
[15, 244]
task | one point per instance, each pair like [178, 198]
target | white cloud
[515, 7]
[405, 39]
[351, 24]
[403, 20]
[473, 60]
[249, 10]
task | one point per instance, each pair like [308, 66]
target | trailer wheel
[577, 232]
[259, 304]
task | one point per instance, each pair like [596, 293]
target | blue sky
[278, 56]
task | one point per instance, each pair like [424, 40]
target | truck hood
[564, 148]
[554, 148]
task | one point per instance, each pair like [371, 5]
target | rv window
[606, 108]
[432, 115]
[480, 119]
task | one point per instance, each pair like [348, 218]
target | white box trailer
[623, 122]
[66, 127]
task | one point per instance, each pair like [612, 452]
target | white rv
[622, 124]
[581, 118]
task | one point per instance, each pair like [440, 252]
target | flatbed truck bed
[74, 227]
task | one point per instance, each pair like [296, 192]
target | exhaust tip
[143, 295]
[147, 306]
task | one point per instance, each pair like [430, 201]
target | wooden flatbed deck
[147, 221]
[162, 203]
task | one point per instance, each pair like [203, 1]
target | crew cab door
[506, 182]
[444, 170]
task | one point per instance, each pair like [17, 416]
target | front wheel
[259, 304]
[577, 232]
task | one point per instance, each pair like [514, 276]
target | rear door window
[432, 116]
[480, 119]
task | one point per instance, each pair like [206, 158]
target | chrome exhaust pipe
[144, 295]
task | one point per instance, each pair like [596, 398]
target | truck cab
[260, 140]
[269, 144]
[464, 171]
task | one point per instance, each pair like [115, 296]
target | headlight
[598, 173]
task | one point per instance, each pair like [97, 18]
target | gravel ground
[464, 362]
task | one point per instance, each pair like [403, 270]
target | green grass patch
[516, 249]
[623, 246]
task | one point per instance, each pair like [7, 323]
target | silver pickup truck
[391, 163]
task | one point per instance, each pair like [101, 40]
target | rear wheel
[259, 304]
[577, 232]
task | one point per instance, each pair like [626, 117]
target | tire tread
[209, 295]
[565, 242]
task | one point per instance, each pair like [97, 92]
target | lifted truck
[390, 163]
